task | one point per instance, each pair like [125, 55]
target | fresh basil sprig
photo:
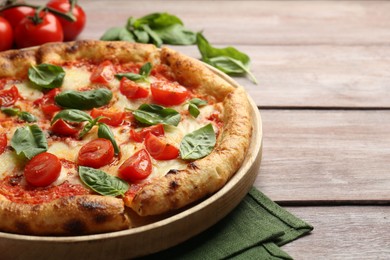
[29, 141]
[105, 132]
[194, 104]
[118, 34]
[72, 115]
[84, 100]
[103, 183]
[46, 75]
[25, 116]
[198, 143]
[144, 73]
[228, 60]
[151, 114]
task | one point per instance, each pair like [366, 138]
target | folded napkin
[253, 230]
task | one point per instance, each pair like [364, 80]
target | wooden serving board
[153, 237]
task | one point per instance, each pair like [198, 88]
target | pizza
[94, 133]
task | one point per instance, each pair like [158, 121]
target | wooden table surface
[324, 96]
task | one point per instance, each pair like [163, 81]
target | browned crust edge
[207, 175]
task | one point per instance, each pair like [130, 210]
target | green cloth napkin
[253, 230]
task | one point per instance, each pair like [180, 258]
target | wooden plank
[257, 22]
[325, 155]
[343, 233]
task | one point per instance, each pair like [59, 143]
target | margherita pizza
[93, 131]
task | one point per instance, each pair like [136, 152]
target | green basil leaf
[25, 116]
[103, 183]
[129, 75]
[105, 132]
[125, 35]
[88, 126]
[198, 143]
[156, 40]
[198, 102]
[141, 36]
[29, 141]
[157, 20]
[112, 34]
[84, 100]
[46, 75]
[72, 115]
[151, 114]
[10, 111]
[176, 34]
[231, 66]
[194, 110]
[146, 69]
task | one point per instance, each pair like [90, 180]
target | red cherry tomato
[47, 104]
[103, 73]
[6, 35]
[168, 93]
[42, 170]
[159, 149]
[137, 167]
[132, 90]
[8, 97]
[15, 15]
[96, 153]
[60, 127]
[3, 142]
[157, 130]
[71, 29]
[28, 33]
[110, 117]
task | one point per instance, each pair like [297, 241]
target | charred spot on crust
[172, 171]
[22, 227]
[192, 165]
[101, 218]
[75, 226]
[91, 205]
[173, 185]
[72, 49]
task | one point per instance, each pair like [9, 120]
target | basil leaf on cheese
[144, 73]
[105, 132]
[198, 143]
[194, 104]
[103, 183]
[29, 141]
[151, 114]
[25, 116]
[88, 126]
[84, 100]
[72, 115]
[46, 75]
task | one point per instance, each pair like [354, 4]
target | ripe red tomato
[47, 103]
[3, 142]
[137, 167]
[96, 153]
[159, 149]
[6, 35]
[132, 90]
[103, 73]
[42, 170]
[60, 127]
[29, 33]
[16, 14]
[8, 97]
[168, 93]
[157, 130]
[110, 117]
[71, 29]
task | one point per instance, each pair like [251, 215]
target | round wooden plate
[153, 237]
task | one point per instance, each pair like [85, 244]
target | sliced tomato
[3, 142]
[132, 90]
[159, 149]
[168, 93]
[8, 97]
[60, 127]
[139, 136]
[47, 103]
[96, 153]
[42, 170]
[103, 73]
[110, 117]
[137, 167]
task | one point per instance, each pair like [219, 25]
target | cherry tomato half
[132, 90]
[110, 117]
[3, 142]
[103, 73]
[28, 33]
[15, 15]
[96, 153]
[6, 35]
[42, 170]
[60, 127]
[159, 149]
[47, 103]
[8, 97]
[71, 29]
[139, 136]
[168, 93]
[137, 167]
